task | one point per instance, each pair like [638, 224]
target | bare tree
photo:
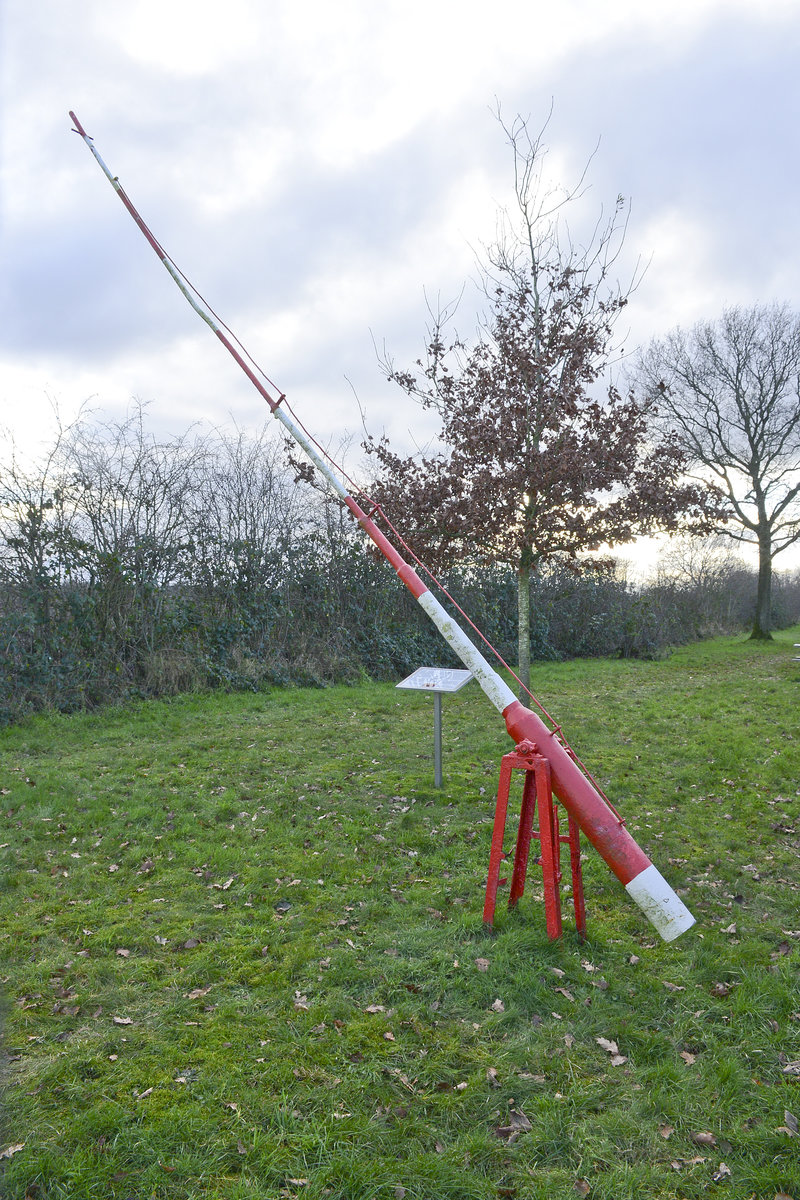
[707, 570]
[130, 537]
[244, 514]
[729, 391]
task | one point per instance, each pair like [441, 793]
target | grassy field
[242, 952]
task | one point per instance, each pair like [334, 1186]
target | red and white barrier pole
[600, 824]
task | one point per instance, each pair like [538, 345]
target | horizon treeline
[132, 565]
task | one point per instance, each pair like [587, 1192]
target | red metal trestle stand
[537, 791]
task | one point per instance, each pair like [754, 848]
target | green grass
[239, 940]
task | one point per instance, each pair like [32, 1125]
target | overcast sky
[317, 168]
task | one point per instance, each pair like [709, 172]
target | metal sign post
[437, 680]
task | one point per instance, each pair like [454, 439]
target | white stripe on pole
[319, 462]
[659, 903]
[494, 687]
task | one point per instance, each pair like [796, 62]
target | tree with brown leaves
[530, 465]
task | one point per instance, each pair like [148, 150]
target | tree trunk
[524, 626]
[763, 617]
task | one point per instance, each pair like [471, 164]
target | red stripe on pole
[405, 572]
[256, 382]
[602, 827]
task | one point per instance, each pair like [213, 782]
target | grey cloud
[704, 125]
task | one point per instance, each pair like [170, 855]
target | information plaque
[436, 680]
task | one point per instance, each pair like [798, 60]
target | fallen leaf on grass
[186, 1077]
[518, 1124]
[612, 1048]
[666, 1130]
[141, 1095]
[792, 1068]
[482, 964]
[389, 1037]
[722, 1172]
[703, 1138]
[123, 953]
[790, 1124]
[783, 949]
[498, 1006]
[567, 993]
[491, 1075]
[688, 1058]
[196, 993]
[673, 987]
[582, 1187]
[122, 1020]
[406, 1082]
[721, 990]
[10, 1151]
